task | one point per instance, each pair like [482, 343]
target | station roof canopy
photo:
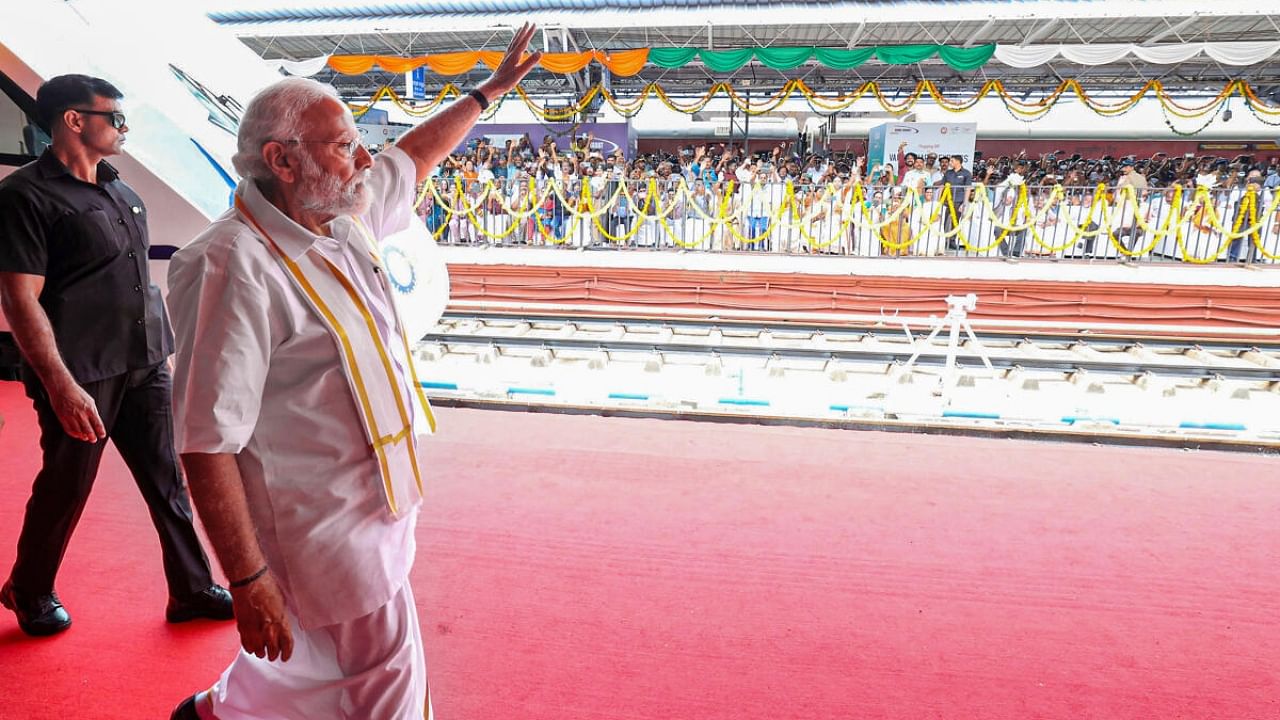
[297, 30]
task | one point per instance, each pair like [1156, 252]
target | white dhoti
[367, 668]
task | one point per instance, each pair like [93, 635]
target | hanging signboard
[889, 142]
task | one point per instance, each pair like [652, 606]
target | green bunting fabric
[786, 58]
[964, 59]
[837, 59]
[905, 54]
[672, 57]
[726, 60]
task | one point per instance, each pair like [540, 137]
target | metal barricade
[1184, 224]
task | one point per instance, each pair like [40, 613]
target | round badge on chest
[399, 270]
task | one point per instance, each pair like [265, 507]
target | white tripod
[956, 319]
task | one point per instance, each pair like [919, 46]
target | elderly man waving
[298, 410]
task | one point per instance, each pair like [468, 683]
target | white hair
[274, 114]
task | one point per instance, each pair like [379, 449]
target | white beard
[323, 193]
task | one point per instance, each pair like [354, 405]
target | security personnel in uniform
[960, 180]
[75, 289]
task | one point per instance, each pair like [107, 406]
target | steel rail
[741, 346]
[780, 319]
[889, 326]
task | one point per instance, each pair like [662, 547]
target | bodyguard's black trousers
[137, 413]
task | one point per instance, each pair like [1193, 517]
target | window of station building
[21, 140]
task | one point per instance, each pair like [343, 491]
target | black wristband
[245, 581]
[480, 98]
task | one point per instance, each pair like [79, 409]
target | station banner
[889, 142]
[608, 137]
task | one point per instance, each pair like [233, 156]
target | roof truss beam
[1172, 29]
[982, 30]
[1041, 31]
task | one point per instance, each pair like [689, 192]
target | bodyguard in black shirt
[75, 289]
[959, 179]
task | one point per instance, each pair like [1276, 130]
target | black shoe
[186, 710]
[212, 603]
[37, 616]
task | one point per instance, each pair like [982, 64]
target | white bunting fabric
[1241, 53]
[1227, 53]
[302, 68]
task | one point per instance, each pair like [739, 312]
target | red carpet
[590, 568]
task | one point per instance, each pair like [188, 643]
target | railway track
[1182, 359]
[1164, 390]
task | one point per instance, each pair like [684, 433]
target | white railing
[1194, 225]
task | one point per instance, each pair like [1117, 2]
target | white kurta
[866, 235]
[928, 235]
[258, 375]
[979, 231]
[1201, 237]
[1075, 218]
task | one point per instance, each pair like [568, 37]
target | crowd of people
[718, 197]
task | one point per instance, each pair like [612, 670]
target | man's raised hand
[515, 64]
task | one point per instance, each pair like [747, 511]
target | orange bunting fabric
[351, 64]
[623, 63]
[491, 58]
[360, 64]
[399, 64]
[452, 63]
[567, 62]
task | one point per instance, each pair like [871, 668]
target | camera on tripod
[955, 322]
[961, 304]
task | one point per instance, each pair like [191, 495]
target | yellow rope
[797, 87]
[853, 208]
